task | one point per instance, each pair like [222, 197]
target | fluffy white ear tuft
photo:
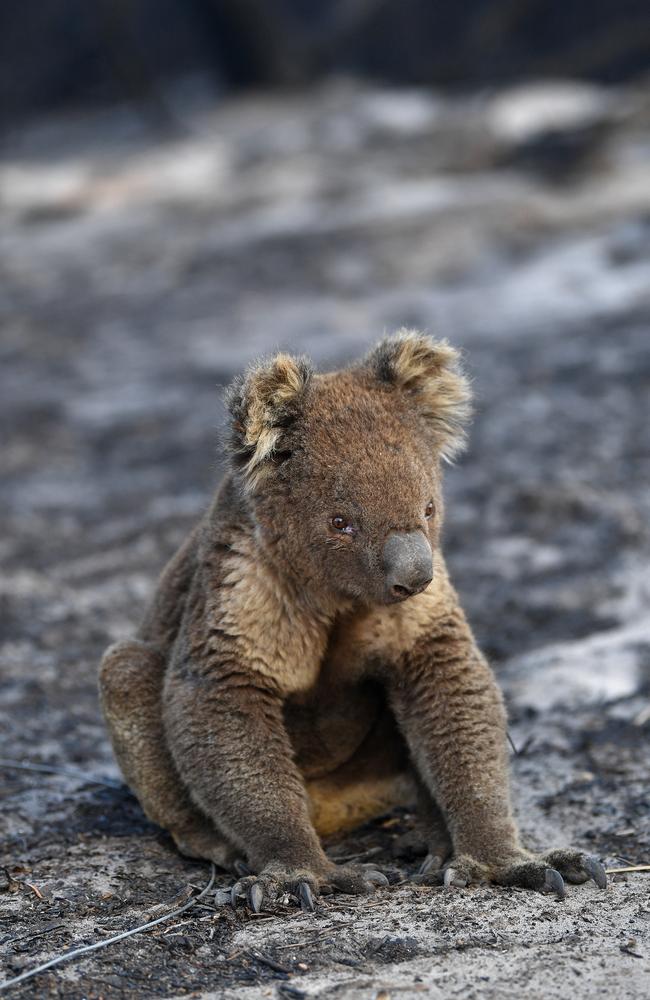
[429, 372]
[262, 403]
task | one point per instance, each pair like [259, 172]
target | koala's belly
[354, 759]
[329, 723]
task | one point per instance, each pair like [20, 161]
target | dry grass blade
[630, 868]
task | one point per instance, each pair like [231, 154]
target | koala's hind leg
[130, 681]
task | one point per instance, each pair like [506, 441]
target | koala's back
[164, 615]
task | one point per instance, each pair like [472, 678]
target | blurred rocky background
[184, 186]
[62, 52]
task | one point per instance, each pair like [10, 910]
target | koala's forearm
[452, 715]
[230, 744]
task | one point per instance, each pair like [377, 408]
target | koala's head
[342, 470]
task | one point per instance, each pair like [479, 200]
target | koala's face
[360, 490]
[343, 469]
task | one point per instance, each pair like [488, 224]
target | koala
[305, 664]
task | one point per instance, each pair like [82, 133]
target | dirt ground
[138, 274]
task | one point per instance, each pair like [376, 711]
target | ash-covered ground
[138, 275]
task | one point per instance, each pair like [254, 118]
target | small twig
[175, 927]
[272, 964]
[84, 949]
[37, 892]
[22, 881]
[630, 868]
[511, 742]
[70, 772]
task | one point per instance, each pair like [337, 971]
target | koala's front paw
[353, 879]
[545, 872]
[300, 885]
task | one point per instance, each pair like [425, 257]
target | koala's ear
[262, 403]
[429, 372]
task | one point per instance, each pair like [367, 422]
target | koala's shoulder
[248, 610]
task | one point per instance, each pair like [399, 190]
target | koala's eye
[342, 524]
[280, 457]
[429, 509]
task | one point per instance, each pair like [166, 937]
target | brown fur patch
[429, 371]
[275, 634]
[337, 808]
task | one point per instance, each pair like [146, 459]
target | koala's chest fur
[329, 723]
[326, 662]
[306, 649]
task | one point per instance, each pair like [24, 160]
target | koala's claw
[249, 889]
[255, 897]
[595, 870]
[306, 897]
[554, 881]
[432, 862]
[545, 872]
[275, 884]
[550, 871]
[376, 878]
[256, 890]
[452, 877]
[577, 867]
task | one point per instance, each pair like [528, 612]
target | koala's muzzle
[408, 564]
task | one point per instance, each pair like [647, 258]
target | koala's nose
[408, 564]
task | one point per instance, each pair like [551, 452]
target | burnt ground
[139, 273]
